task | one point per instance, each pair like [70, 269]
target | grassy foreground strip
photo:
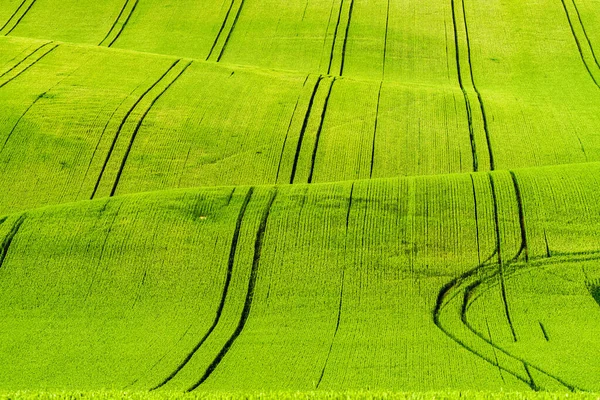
[285, 395]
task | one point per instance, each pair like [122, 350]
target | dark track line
[496, 218]
[323, 113]
[112, 146]
[479, 97]
[114, 23]
[526, 364]
[260, 234]
[20, 19]
[579, 44]
[235, 20]
[337, 327]
[349, 207]
[548, 253]
[138, 126]
[12, 15]
[19, 120]
[440, 303]
[212, 48]
[101, 137]
[287, 132]
[385, 40]
[124, 23]
[23, 59]
[495, 354]
[587, 38]
[375, 130]
[304, 126]
[464, 91]
[337, 25]
[500, 262]
[346, 37]
[29, 66]
[219, 312]
[5, 246]
[544, 332]
[522, 226]
[464, 320]
[476, 219]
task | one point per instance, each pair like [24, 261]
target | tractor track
[258, 244]
[228, 276]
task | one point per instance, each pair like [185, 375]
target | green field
[299, 199]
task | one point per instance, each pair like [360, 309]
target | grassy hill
[326, 198]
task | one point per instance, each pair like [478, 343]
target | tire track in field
[337, 327]
[341, 295]
[139, 124]
[464, 286]
[587, 38]
[120, 23]
[29, 61]
[469, 299]
[385, 39]
[499, 259]
[375, 130]
[230, 264]
[287, 132]
[319, 130]
[226, 29]
[5, 246]
[16, 17]
[346, 36]
[258, 244]
[174, 67]
[337, 53]
[469, 71]
[483, 276]
[581, 48]
[304, 127]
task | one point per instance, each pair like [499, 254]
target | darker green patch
[595, 292]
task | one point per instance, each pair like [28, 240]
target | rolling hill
[248, 196]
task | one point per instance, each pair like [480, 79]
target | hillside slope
[463, 282]
[253, 195]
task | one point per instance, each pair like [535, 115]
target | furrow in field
[5, 246]
[139, 124]
[226, 29]
[319, 130]
[585, 33]
[16, 17]
[375, 130]
[11, 68]
[478, 128]
[230, 266]
[312, 126]
[26, 63]
[337, 54]
[385, 40]
[582, 40]
[120, 23]
[337, 325]
[487, 284]
[304, 127]
[110, 173]
[258, 247]
[292, 119]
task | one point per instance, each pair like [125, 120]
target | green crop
[299, 199]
